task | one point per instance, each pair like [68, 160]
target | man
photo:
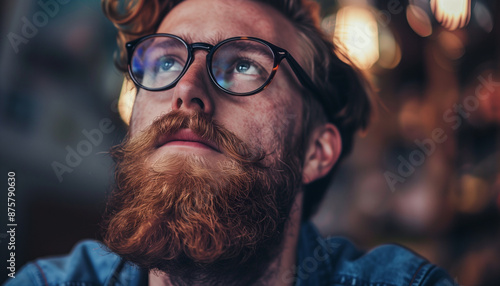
[227, 155]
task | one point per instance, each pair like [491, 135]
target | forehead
[215, 20]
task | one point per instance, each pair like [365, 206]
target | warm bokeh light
[126, 101]
[452, 14]
[452, 45]
[390, 51]
[419, 20]
[356, 35]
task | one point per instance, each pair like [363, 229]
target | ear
[322, 152]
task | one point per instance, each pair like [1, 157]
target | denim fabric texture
[331, 261]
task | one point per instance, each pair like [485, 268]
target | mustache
[201, 125]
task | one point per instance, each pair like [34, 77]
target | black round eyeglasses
[239, 66]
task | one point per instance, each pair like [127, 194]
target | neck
[281, 267]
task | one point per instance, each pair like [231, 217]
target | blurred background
[426, 174]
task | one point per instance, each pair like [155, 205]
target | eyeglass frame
[278, 54]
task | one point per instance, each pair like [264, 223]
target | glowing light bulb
[451, 14]
[356, 36]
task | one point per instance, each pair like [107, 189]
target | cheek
[270, 126]
[147, 107]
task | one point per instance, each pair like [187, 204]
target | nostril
[199, 102]
[179, 102]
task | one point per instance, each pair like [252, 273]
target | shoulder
[341, 263]
[89, 263]
[393, 264]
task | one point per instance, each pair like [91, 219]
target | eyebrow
[252, 46]
[212, 40]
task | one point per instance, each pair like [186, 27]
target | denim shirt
[332, 261]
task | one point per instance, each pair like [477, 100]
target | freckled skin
[263, 119]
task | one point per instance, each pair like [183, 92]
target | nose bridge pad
[201, 46]
[204, 47]
[195, 101]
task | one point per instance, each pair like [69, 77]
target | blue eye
[164, 64]
[167, 64]
[246, 67]
[243, 67]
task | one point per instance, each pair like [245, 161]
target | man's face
[261, 120]
[181, 205]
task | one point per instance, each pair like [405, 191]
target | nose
[194, 91]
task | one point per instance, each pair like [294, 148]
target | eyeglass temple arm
[304, 79]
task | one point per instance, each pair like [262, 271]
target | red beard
[195, 220]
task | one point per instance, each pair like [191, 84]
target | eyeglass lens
[238, 66]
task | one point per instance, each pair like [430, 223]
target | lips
[188, 138]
